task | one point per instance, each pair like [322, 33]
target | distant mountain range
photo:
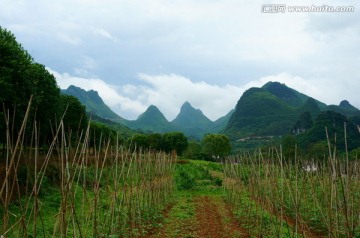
[192, 122]
[272, 110]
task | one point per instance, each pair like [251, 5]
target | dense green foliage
[310, 138]
[175, 141]
[198, 175]
[20, 79]
[211, 147]
[194, 151]
[216, 146]
[336, 125]
[167, 142]
[258, 112]
[304, 123]
[269, 111]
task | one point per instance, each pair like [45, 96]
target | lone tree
[216, 145]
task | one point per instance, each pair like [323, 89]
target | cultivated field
[107, 190]
[274, 197]
[73, 190]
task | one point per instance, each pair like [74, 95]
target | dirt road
[200, 217]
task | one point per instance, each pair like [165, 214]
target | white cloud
[103, 33]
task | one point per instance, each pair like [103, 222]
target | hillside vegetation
[22, 80]
[264, 115]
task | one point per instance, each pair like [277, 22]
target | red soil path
[215, 220]
[212, 219]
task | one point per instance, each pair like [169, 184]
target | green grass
[199, 177]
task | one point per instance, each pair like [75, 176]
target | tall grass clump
[71, 189]
[295, 198]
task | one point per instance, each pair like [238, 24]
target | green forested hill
[345, 108]
[260, 113]
[310, 106]
[275, 110]
[152, 120]
[192, 121]
[286, 94]
[93, 102]
[290, 96]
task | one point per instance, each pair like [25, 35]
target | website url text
[282, 8]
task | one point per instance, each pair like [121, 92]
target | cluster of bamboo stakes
[103, 191]
[281, 197]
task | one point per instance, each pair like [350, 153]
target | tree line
[21, 78]
[212, 147]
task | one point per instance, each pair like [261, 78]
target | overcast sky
[164, 52]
